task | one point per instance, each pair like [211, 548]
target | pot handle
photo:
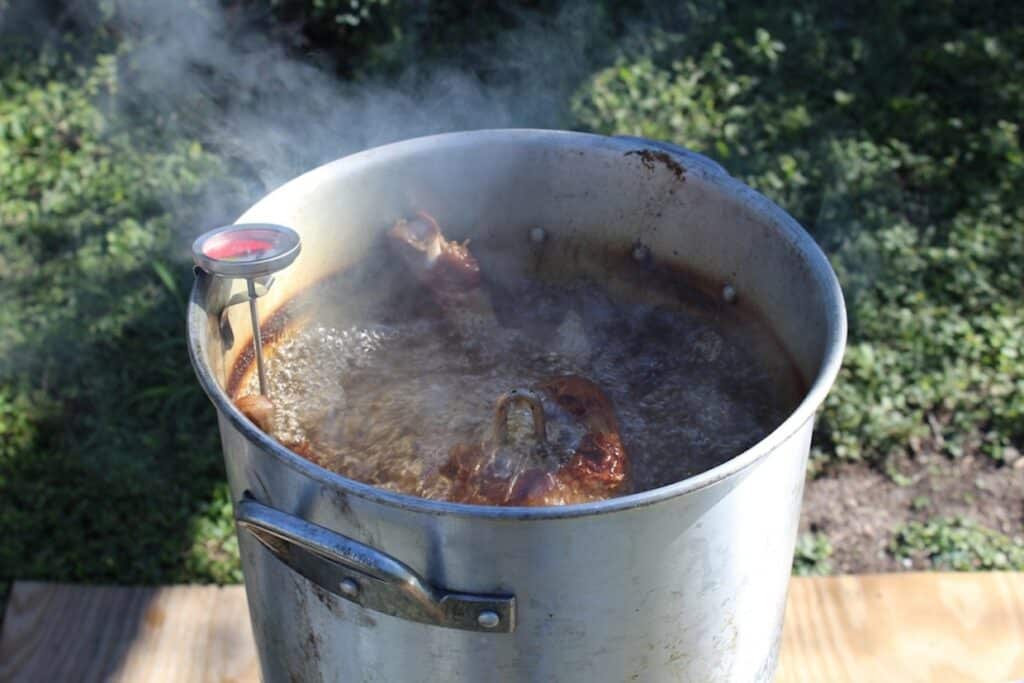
[366, 576]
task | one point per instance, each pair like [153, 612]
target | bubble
[385, 403]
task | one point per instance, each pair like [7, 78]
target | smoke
[201, 70]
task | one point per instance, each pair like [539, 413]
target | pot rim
[789, 229]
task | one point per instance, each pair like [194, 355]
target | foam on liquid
[384, 387]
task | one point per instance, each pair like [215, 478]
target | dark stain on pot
[313, 646]
[364, 619]
[650, 157]
[309, 664]
[338, 501]
[334, 605]
[271, 329]
[326, 599]
[264, 489]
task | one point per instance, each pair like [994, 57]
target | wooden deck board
[905, 627]
[895, 627]
[55, 632]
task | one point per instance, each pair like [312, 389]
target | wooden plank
[905, 627]
[895, 627]
[56, 632]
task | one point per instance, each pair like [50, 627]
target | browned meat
[597, 469]
[592, 465]
[448, 269]
[259, 409]
[599, 465]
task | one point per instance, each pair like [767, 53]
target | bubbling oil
[381, 386]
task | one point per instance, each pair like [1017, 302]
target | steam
[195, 67]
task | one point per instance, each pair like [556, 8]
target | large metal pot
[688, 582]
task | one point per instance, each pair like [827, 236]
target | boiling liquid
[381, 385]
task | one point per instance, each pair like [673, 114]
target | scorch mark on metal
[648, 157]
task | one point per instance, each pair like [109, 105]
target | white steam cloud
[279, 115]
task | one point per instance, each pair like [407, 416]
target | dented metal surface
[686, 582]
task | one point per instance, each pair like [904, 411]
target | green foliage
[214, 550]
[890, 129]
[338, 12]
[349, 31]
[107, 448]
[958, 544]
[812, 555]
[386, 36]
[891, 132]
[19, 419]
[110, 467]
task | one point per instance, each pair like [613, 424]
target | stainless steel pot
[683, 583]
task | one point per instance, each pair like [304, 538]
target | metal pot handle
[368, 577]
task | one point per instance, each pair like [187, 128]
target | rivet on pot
[488, 619]
[349, 588]
[729, 294]
[538, 235]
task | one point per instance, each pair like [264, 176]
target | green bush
[889, 129]
[891, 132]
[109, 461]
[811, 557]
[361, 37]
[957, 544]
[107, 448]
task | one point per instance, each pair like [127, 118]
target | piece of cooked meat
[259, 409]
[448, 270]
[597, 469]
[599, 466]
[591, 465]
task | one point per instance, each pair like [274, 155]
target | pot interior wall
[494, 187]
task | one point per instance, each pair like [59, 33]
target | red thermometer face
[252, 250]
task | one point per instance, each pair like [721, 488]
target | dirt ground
[859, 508]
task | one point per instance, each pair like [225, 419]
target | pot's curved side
[689, 589]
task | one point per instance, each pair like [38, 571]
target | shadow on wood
[56, 632]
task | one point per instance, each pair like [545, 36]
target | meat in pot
[423, 368]
[491, 471]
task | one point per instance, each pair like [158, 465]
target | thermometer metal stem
[251, 252]
[257, 339]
